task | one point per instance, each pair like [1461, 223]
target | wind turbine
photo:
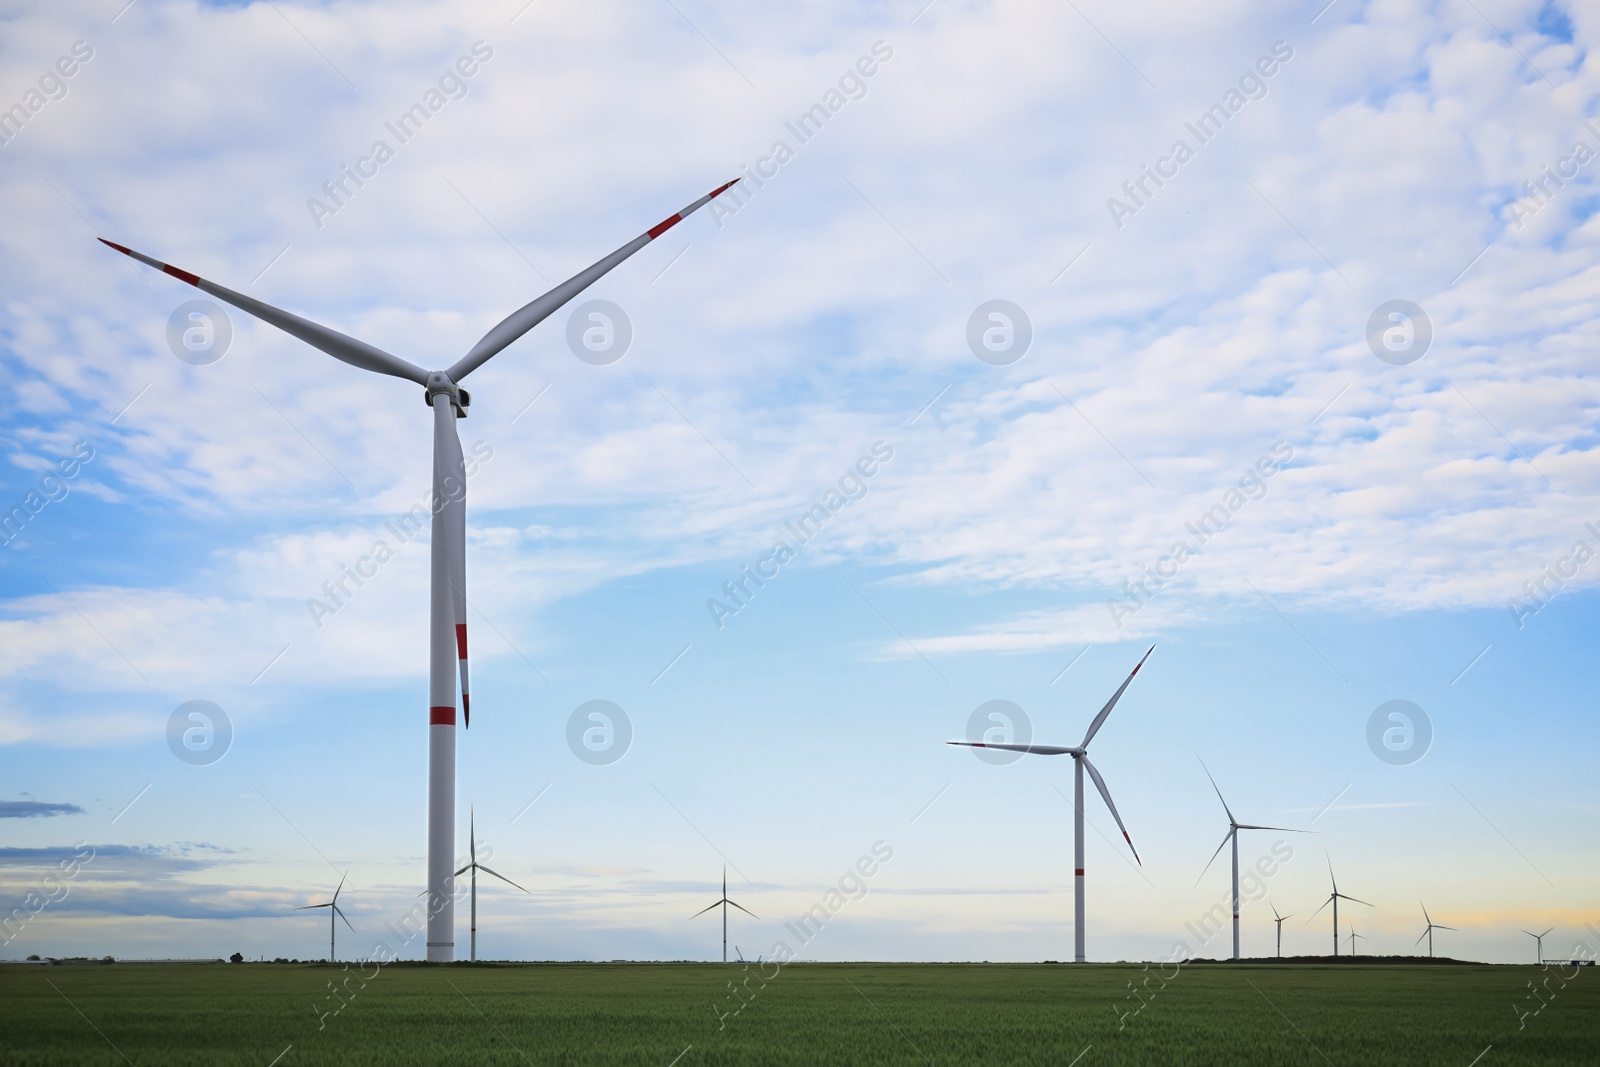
[1539, 943]
[724, 902]
[1353, 936]
[1432, 926]
[1234, 826]
[474, 866]
[447, 615]
[1080, 763]
[1334, 898]
[1279, 920]
[334, 909]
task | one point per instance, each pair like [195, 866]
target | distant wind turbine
[447, 612]
[724, 902]
[1432, 926]
[1279, 920]
[1080, 763]
[335, 910]
[1234, 826]
[1353, 936]
[474, 866]
[1334, 898]
[1538, 943]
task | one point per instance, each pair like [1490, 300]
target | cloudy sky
[1293, 381]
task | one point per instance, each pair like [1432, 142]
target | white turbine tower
[474, 866]
[447, 643]
[1538, 943]
[1432, 926]
[1234, 826]
[1334, 898]
[1279, 920]
[1080, 762]
[335, 910]
[724, 902]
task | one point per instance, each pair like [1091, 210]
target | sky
[1292, 380]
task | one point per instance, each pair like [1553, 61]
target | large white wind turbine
[1080, 763]
[335, 910]
[447, 599]
[1334, 898]
[1234, 826]
[1432, 926]
[724, 902]
[1538, 943]
[474, 866]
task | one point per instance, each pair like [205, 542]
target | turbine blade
[340, 346]
[462, 871]
[1270, 904]
[340, 912]
[1231, 820]
[1105, 794]
[309, 907]
[530, 315]
[1425, 915]
[1285, 829]
[1354, 900]
[1038, 750]
[500, 876]
[1325, 903]
[1546, 933]
[1094, 727]
[454, 482]
[1418, 941]
[1225, 839]
[1436, 926]
[342, 877]
[746, 910]
[702, 911]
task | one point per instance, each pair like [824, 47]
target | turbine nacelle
[439, 382]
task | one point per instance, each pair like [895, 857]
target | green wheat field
[868, 1014]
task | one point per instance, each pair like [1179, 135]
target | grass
[868, 1014]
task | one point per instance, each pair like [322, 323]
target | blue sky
[1221, 324]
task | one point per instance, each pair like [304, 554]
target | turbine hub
[439, 382]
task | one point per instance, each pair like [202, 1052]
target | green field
[576, 1014]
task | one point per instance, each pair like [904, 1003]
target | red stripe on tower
[1078, 872]
[442, 716]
